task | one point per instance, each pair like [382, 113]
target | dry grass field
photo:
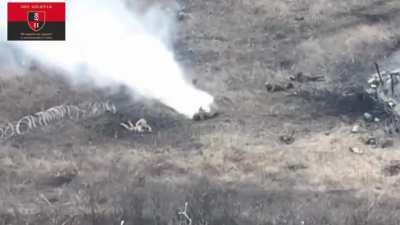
[232, 169]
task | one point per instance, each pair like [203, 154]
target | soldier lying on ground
[300, 77]
[278, 86]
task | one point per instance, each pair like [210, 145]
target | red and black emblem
[31, 21]
[36, 20]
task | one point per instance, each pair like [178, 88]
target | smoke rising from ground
[109, 44]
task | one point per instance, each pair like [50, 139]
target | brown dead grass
[233, 169]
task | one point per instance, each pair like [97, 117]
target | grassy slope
[232, 48]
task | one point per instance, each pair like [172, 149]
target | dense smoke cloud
[112, 46]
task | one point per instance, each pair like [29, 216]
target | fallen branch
[185, 214]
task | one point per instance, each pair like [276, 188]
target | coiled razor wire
[55, 114]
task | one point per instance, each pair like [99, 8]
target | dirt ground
[232, 169]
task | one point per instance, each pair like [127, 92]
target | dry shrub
[280, 9]
[161, 167]
[35, 91]
[346, 54]
[147, 202]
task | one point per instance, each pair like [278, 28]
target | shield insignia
[36, 20]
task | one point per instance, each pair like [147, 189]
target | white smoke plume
[111, 45]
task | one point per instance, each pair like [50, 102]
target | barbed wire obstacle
[141, 126]
[55, 114]
[384, 89]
